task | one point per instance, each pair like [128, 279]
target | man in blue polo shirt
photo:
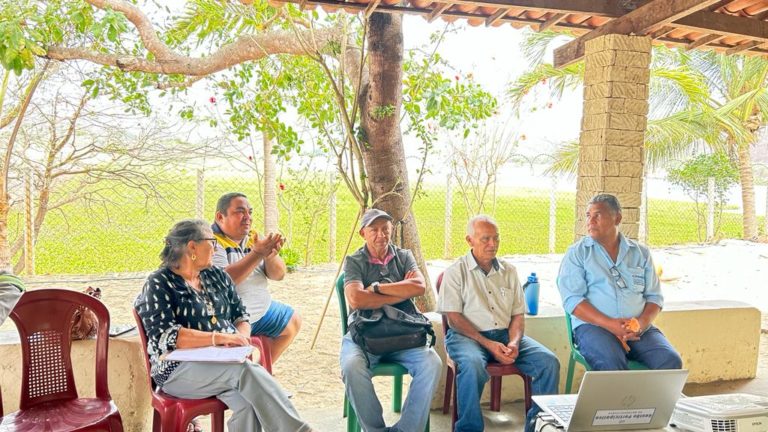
[605, 280]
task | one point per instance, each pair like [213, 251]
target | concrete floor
[511, 416]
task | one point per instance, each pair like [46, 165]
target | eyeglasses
[211, 239]
[617, 277]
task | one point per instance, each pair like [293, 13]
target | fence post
[332, 218]
[29, 235]
[642, 229]
[200, 204]
[552, 215]
[710, 208]
[448, 217]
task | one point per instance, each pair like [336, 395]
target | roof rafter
[438, 11]
[650, 15]
[727, 25]
[496, 16]
[607, 8]
[743, 47]
[704, 40]
[556, 18]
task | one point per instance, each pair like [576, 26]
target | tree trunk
[5, 207]
[747, 193]
[381, 101]
[271, 214]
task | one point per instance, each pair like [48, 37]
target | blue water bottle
[532, 294]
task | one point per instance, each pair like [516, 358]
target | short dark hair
[176, 241]
[608, 199]
[222, 205]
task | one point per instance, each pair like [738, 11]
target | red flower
[212, 99]
[457, 77]
[281, 186]
[250, 158]
[549, 105]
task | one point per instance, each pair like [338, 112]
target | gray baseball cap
[373, 214]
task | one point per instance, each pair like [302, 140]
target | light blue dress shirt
[618, 290]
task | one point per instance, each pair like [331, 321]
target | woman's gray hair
[176, 241]
[608, 199]
[480, 218]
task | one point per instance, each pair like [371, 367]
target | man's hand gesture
[502, 353]
[268, 246]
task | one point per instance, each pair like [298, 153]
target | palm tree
[683, 110]
[738, 86]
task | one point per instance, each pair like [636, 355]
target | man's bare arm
[240, 270]
[360, 298]
[275, 266]
[412, 286]
[262, 247]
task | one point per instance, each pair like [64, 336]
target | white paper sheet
[211, 354]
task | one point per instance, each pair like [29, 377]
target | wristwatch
[375, 287]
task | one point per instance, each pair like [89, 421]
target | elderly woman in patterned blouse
[187, 303]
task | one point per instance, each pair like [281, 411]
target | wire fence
[123, 229]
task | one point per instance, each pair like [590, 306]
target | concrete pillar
[611, 154]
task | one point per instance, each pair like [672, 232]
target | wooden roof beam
[743, 47]
[371, 8]
[437, 11]
[704, 40]
[496, 16]
[606, 8]
[662, 31]
[650, 15]
[556, 18]
[726, 25]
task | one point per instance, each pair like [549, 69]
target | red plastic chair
[49, 400]
[172, 414]
[495, 370]
[265, 359]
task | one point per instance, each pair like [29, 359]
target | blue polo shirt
[585, 274]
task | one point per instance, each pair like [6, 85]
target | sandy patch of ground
[733, 270]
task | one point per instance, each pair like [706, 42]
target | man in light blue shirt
[605, 280]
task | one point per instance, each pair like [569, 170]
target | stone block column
[611, 153]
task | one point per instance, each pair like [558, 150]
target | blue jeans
[423, 365]
[603, 351]
[534, 360]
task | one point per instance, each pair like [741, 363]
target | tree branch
[243, 49]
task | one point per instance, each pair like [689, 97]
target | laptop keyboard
[562, 411]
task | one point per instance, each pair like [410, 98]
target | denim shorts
[274, 321]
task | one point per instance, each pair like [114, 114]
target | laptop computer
[617, 400]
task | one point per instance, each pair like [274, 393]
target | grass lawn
[127, 234]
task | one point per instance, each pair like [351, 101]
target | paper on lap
[211, 354]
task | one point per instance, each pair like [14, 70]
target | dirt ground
[313, 376]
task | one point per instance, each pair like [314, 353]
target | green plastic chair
[577, 357]
[394, 370]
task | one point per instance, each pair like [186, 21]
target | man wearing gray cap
[378, 274]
